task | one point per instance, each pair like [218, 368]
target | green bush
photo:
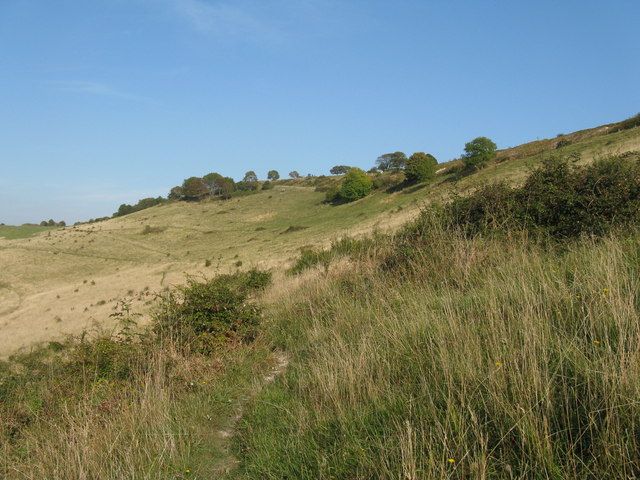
[355, 185]
[384, 181]
[560, 198]
[420, 167]
[203, 315]
[478, 152]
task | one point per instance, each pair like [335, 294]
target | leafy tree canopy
[391, 161]
[339, 170]
[250, 177]
[420, 167]
[478, 152]
[356, 184]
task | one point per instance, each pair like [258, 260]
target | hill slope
[66, 280]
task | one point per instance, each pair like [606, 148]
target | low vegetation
[437, 353]
[104, 405]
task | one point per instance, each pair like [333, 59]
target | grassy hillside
[431, 352]
[23, 231]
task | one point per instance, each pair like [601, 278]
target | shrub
[420, 167]
[339, 170]
[203, 315]
[563, 143]
[631, 122]
[267, 185]
[356, 185]
[560, 198]
[478, 152]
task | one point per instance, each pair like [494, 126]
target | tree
[175, 193]
[218, 185]
[391, 161]
[194, 188]
[339, 170]
[250, 177]
[420, 167]
[478, 152]
[273, 175]
[294, 174]
[212, 181]
[356, 184]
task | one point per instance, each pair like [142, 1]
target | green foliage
[218, 185]
[420, 167]
[273, 175]
[201, 316]
[175, 193]
[355, 185]
[247, 186]
[339, 170]
[250, 177]
[391, 161]
[478, 152]
[559, 198]
[294, 174]
[267, 185]
[194, 188]
[346, 246]
[142, 204]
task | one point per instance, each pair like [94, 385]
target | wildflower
[498, 364]
[605, 291]
[451, 460]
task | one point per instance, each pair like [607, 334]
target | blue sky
[106, 101]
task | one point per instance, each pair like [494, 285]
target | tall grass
[481, 357]
[137, 403]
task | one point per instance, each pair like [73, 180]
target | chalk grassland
[66, 280]
[23, 231]
[477, 358]
[63, 281]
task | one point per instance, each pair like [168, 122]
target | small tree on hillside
[339, 170]
[294, 174]
[194, 188]
[356, 184]
[273, 175]
[420, 167]
[478, 152]
[391, 161]
[218, 185]
[175, 193]
[250, 177]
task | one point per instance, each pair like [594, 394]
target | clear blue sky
[107, 101]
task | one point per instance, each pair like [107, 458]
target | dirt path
[229, 463]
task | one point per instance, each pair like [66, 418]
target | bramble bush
[559, 198]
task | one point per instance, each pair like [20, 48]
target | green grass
[24, 231]
[512, 359]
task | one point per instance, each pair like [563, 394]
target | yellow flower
[451, 460]
[596, 342]
[605, 291]
[498, 364]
